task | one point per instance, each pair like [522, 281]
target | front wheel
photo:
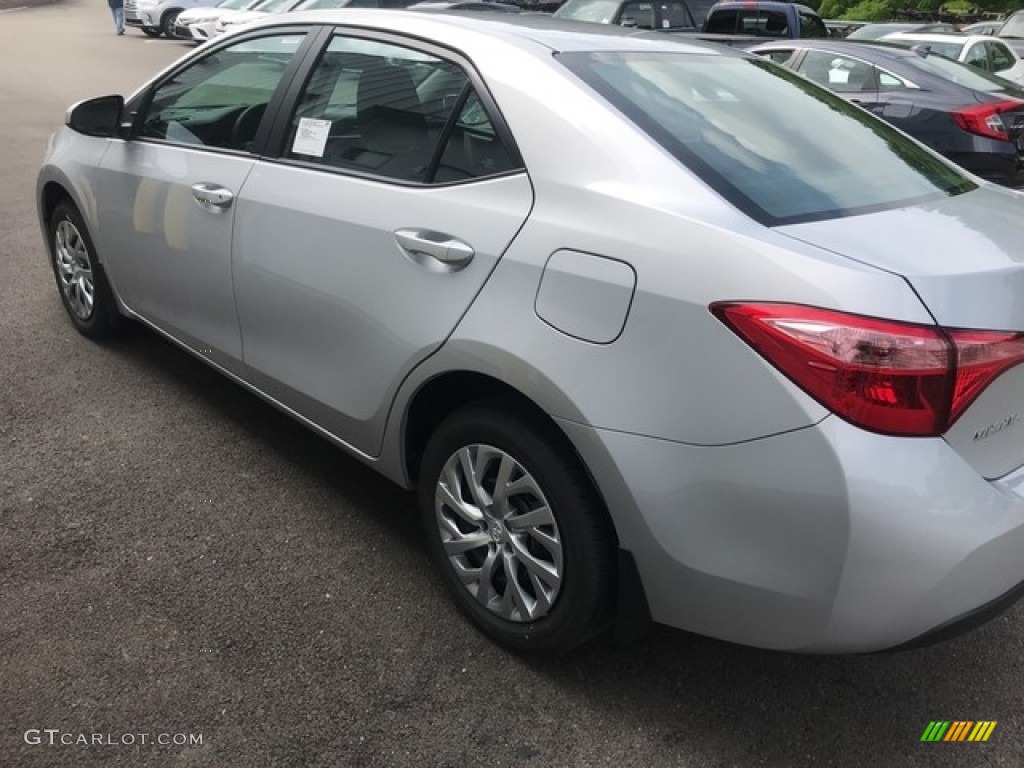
[516, 529]
[83, 286]
[167, 24]
[151, 31]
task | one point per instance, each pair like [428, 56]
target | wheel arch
[443, 394]
[439, 396]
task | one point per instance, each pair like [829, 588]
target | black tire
[582, 603]
[78, 272]
[152, 31]
[167, 22]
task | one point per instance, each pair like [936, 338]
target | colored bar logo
[958, 730]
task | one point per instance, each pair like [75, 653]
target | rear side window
[729, 120]
[386, 110]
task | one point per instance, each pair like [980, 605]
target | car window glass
[639, 15]
[676, 14]
[382, 109]
[778, 55]
[763, 23]
[812, 26]
[722, 22]
[1000, 56]
[726, 120]
[835, 72]
[976, 57]
[474, 149]
[588, 10]
[887, 82]
[219, 100]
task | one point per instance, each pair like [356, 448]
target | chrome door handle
[435, 250]
[212, 196]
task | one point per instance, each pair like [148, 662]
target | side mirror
[96, 117]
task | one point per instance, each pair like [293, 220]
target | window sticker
[311, 137]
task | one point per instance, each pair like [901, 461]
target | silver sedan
[657, 330]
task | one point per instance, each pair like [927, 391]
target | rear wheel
[513, 524]
[151, 31]
[83, 286]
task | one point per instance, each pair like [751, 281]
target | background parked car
[881, 29]
[493, 6]
[1012, 31]
[981, 51]
[983, 28]
[199, 24]
[158, 17]
[973, 118]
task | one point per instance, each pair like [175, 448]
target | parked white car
[159, 17]
[981, 51]
[199, 24]
[238, 18]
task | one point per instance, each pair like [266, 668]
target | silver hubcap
[74, 269]
[499, 533]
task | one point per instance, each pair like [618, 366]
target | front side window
[219, 100]
[383, 109]
[730, 121]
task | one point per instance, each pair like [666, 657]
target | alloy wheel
[74, 269]
[499, 533]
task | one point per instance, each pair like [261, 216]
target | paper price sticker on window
[311, 137]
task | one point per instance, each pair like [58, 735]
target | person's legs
[118, 20]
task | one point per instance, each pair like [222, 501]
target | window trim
[275, 149]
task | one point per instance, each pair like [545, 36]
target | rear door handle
[435, 250]
[212, 196]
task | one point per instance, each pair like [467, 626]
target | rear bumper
[996, 161]
[826, 540]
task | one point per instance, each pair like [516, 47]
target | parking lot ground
[180, 562]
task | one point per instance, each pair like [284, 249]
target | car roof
[526, 31]
[938, 37]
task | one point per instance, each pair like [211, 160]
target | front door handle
[435, 250]
[212, 197]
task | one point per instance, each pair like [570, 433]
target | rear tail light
[986, 119]
[881, 375]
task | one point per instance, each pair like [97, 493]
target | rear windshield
[949, 50]
[777, 146]
[602, 11]
[1014, 26]
[961, 74]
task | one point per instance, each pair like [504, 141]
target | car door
[170, 191]
[356, 252]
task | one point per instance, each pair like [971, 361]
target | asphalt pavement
[188, 578]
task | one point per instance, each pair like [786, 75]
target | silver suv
[157, 17]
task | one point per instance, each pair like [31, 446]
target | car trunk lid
[964, 257]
